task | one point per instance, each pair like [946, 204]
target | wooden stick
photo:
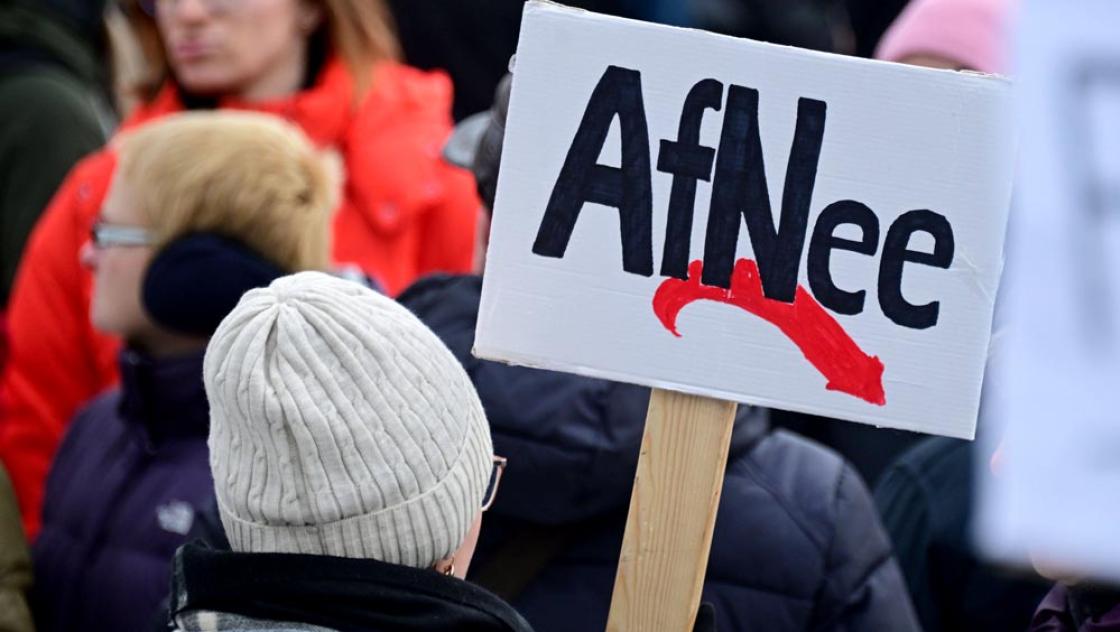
[672, 513]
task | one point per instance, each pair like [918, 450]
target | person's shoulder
[798, 466]
[931, 481]
[805, 484]
[444, 299]
[401, 94]
[397, 134]
[97, 423]
[777, 519]
[102, 410]
[48, 90]
[95, 167]
[448, 305]
[51, 119]
[932, 457]
[430, 88]
[436, 289]
[80, 197]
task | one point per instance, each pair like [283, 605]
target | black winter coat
[797, 543]
[926, 500]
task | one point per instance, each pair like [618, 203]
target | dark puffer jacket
[121, 497]
[797, 543]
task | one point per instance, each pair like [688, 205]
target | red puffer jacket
[404, 213]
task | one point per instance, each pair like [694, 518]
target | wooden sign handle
[672, 513]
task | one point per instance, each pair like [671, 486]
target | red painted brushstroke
[820, 338]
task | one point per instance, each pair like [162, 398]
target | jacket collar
[335, 593]
[323, 111]
[388, 140]
[164, 397]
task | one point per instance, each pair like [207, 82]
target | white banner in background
[1055, 389]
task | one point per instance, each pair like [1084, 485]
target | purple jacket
[121, 496]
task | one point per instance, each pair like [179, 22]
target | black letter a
[583, 180]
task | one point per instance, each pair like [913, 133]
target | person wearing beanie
[352, 462]
[797, 545]
[204, 207]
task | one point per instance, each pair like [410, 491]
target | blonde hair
[361, 32]
[250, 177]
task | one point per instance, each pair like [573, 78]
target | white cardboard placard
[922, 157]
[1055, 388]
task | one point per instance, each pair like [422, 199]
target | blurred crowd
[240, 273]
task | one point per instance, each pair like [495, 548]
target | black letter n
[583, 180]
[740, 191]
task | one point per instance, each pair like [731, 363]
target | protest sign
[1052, 400]
[728, 221]
[748, 222]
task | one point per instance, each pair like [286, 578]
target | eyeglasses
[212, 6]
[495, 479]
[105, 235]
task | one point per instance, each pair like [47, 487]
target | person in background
[926, 496]
[473, 41]
[870, 19]
[55, 101]
[813, 24]
[352, 463]
[797, 544]
[203, 207]
[925, 499]
[15, 564]
[326, 65]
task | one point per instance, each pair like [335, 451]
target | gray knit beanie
[341, 425]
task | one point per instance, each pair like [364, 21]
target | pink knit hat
[969, 32]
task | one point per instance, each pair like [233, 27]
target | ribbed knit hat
[340, 425]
